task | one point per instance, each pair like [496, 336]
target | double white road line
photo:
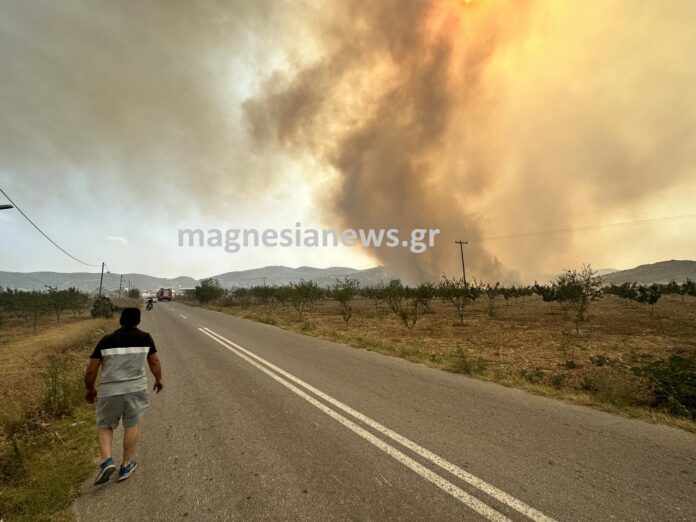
[301, 388]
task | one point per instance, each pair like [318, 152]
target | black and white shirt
[123, 355]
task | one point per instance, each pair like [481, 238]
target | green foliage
[534, 376]
[63, 389]
[674, 384]
[403, 303]
[617, 386]
[133, 293]
[102, 307]
[34, 305]
[303, 295]
[455, 292]
[578, 289]
[376, 294]
[649, 294]
[208, 290]
[460, 362]
[344, 291]
[424, 293]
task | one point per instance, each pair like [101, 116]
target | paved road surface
[257, 423]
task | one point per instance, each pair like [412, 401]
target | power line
[44, 234]
[589, 227]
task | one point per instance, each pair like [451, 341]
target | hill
[89, 282]
[662, 272]
[270, 275]
[283, 275]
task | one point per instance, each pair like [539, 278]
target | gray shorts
[129, 407]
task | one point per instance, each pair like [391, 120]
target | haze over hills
[661, 272]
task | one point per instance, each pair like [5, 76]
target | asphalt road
[257, 423]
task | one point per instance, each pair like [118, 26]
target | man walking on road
[123, 389]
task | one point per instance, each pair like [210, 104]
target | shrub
[534, 376]
[344, 291]
[674, 384]
[460, 362]
[618, 387]
[600, 360]
[208, 290]
[403, 305]
[102, 307]
[63, 390]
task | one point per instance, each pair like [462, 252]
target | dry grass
[528, 344]
[47, 438]
[24, 356]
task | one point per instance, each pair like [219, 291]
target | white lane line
[472, 502]
[182, 315]
[455, 470]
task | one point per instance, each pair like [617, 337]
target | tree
[102, 307]
[403, 304]
[282, 294]
[208, 290]
[303, 296]
[376, 294]
[578, 289]
[649, 295]
[133, 293]
[344, 291]
[491, 292]
[456, 293]
[424, 293]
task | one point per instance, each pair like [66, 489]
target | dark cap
[130, 317]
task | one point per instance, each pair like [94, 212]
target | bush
[460, 362]
[102, 307]
[674, 384]
[618, 387]
[534, 376]
[209, 290]
[600, 360]
[63, 389]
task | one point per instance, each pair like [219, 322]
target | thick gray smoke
[490, 117]
[381, 109]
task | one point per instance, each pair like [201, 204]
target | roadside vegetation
[628, 349]
[47, 436]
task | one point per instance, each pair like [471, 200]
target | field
[525, 343]
[47, 435]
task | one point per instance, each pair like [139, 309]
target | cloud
[116, 239]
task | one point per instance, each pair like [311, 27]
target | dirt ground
[526, 343]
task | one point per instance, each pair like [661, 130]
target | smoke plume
[486, 117]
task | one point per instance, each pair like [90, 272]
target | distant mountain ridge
[661, 272]
[270, 275]
[283, 275]
[89, 282]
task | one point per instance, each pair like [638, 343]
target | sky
[123, 122]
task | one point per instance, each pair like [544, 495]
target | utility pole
[101, 279]
[120, 283]
[461, 249]
[264, 282]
